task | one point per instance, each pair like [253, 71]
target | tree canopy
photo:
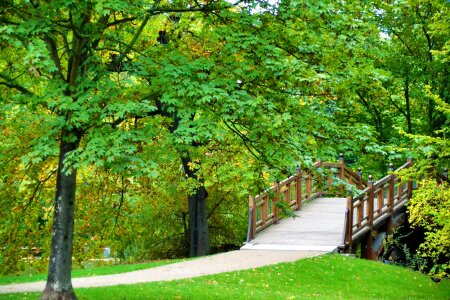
[136, 123]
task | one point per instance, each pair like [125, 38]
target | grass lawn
[323, 277]
[103, 270]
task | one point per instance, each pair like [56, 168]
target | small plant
[358, 252]
[413, 260]
[440, 270]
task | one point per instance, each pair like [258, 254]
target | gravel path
[219, 263]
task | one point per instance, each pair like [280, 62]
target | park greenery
[143, 126]
[323, 277]
[90, 268]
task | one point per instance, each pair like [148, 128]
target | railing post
[319, 180]
[399, 190]
[370, 200]
[341, 166]
[341, 172]
[349, 229]
[359, 172]
[368, 251]
[298, 188]
[277, 198]
[252, 221]
[308, 185]
[264, 210]
[330, 177]
[390, 225]
[410, 183]
[287, 194]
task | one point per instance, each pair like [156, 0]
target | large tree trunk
[59, 281]
[198, 221]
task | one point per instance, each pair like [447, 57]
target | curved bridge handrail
[376, 203]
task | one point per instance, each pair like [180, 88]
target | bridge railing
[379, 201]
[323, 179]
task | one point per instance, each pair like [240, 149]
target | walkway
[318, 227]
[219, 263]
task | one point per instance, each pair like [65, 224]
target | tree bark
[59, 281]
[198, 221]
[198, 224]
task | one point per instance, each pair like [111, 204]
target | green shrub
[429, 208]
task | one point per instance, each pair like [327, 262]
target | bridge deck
[318, 227]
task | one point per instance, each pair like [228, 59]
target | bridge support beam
[367, 247]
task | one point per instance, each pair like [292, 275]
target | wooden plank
[320, 223]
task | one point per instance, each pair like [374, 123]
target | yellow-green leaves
[430, 209]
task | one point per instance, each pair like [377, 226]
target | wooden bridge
[336, 209]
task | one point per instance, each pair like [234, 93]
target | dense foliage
[430, 209]
[165, 115]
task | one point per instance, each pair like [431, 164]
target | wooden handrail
[377, 202]
[297, 189]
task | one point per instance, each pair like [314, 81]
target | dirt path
[219, 263]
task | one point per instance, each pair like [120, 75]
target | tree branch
[121, 21]
[38, 187]
[53, 49]
[396, 106]
[404, 43]
[9, 83]
[129, 47]
[216, 206]
[244, 140]
[427, 36]
[205, 8]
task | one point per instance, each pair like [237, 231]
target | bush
[429, 209]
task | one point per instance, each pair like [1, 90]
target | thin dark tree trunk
[59, 281]
[198, 222]
[376, 116]
[430, 117]
[408, 105]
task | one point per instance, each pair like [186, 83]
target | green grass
[324, 277]
[103, 270]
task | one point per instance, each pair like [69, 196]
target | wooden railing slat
[298, 190]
